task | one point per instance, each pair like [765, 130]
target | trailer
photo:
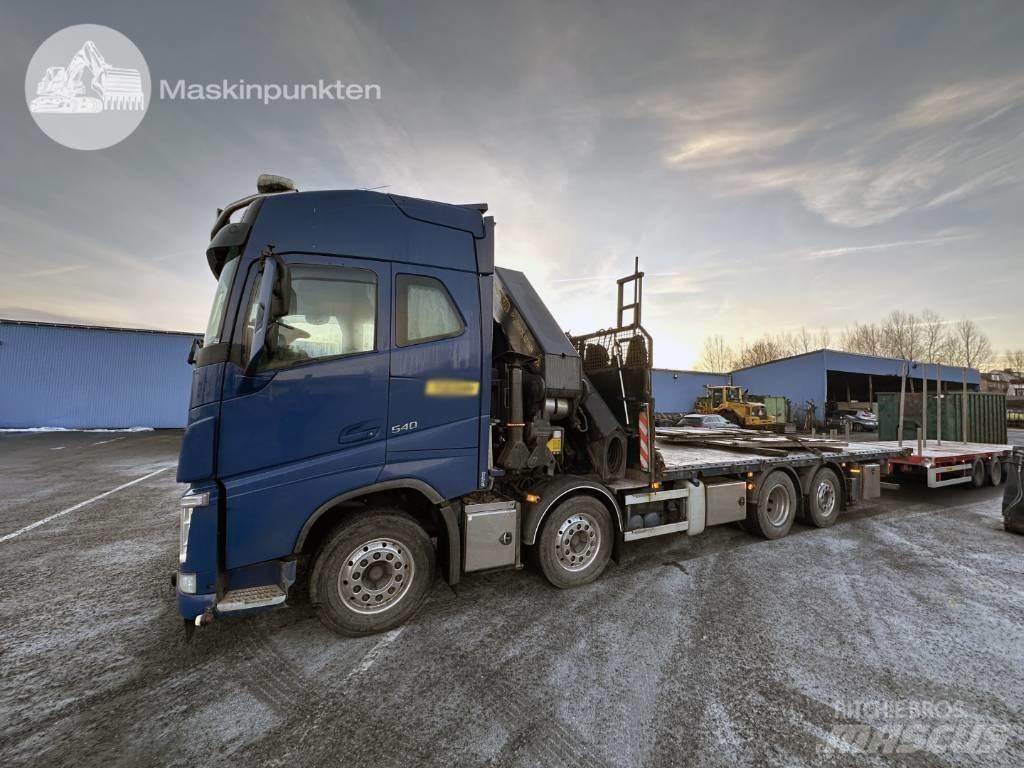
[375, 400]
[948, 462]
[952, 463]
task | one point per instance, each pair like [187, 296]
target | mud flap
[1013, 495]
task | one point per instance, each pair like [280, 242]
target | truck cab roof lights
[271, 183]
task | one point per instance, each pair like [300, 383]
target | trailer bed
[952, 462]
[949, 452]
[691, 452]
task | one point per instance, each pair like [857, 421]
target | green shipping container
[778, 407]
[986, 416]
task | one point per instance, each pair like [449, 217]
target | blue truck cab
[373, 397]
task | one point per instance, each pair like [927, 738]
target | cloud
[950, 143]
[849, 250]
[51, 271]
[731, 143]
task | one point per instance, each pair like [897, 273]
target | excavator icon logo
[69, 76]
[61, 89]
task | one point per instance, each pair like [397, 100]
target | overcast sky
[773, 165]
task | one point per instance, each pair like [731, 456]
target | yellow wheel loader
[731, 402]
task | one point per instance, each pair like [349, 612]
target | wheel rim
[778, 505]
[826, 498]
[376, 575]
[577, 542]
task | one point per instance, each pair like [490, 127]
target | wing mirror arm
[263, 311]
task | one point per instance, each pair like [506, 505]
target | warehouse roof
[7, 321]
[856, 362]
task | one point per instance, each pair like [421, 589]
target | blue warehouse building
[82, 377]
[822, 377]
[676, 391]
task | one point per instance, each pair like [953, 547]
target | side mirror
[263, 313]
[197, 344]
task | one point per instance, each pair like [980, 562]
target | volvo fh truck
[375, 401]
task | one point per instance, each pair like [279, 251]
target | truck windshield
[215, 323]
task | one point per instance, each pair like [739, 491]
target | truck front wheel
[773, 514]
[575, 542]
[373, 573]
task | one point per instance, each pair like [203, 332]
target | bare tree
[865, 339]
[933, 337]
[804, 340]
[971, 346]
[716, 355]
[764, 350]
[1013, 359]
[901, 335]
[824, 339]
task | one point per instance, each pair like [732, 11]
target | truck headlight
[187, 583]
[188, 503]
[186, 523]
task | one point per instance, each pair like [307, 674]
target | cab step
[251, 597]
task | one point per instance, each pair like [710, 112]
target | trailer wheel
[575, 542]
[995, 471]
[824, 499]
[978, 473]
[373, 573]
[773, 514]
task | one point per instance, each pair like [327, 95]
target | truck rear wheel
[995, 471]
[824, 497]
[373, 573]
[575, 542]
[773, 514]
[978, 473]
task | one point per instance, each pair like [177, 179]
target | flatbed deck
[951, 462]
[693, 453]
[949, 452]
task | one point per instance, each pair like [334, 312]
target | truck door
[310, 422]
[434, 395]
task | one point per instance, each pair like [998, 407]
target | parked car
[705, 420]
[860, 420]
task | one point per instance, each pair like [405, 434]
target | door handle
[358, 433]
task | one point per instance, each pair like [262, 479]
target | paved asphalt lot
[718, 650]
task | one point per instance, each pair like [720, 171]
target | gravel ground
[908, 616]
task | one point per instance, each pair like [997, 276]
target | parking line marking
[81, 504]
[58, 448]
[104, 442]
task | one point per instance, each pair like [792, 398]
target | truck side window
[332, 313]
[424, 311]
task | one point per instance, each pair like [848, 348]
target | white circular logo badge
[87, 87]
